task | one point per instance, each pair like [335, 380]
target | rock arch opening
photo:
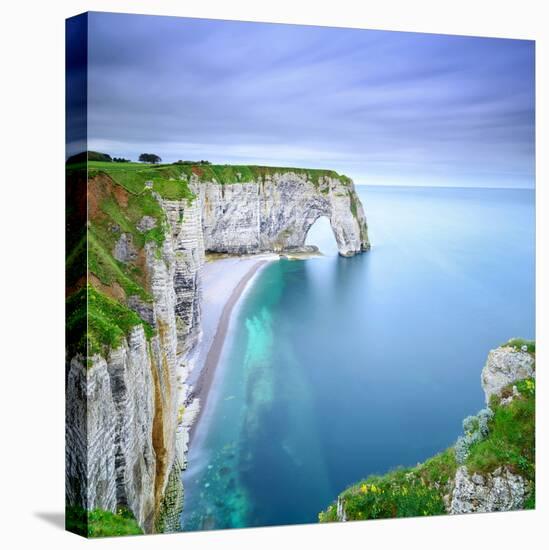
[321, 235]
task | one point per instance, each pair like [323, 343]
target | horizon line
[447, 186]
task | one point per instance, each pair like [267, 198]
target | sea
[338, 368]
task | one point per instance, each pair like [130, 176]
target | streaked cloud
[382, 107]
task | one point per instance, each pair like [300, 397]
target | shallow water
[337, 368]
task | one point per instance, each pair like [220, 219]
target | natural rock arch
[275, 214]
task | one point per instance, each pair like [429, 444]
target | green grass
[76, 324]
[354, 208]
[511, 439]
[108, 320]
[167, 177]
[96, 322]
[76, 261]
[100, 523]
[227, 174]
[128, 218]
[133, 176]
[102, 239]
[110, 271]
[519, 343]
[404, 492]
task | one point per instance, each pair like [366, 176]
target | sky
[385, 108]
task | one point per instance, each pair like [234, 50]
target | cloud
[376, 105]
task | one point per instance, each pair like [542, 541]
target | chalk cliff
[275, 213]
[133, 314]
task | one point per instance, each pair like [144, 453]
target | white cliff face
[504, 366]
[131, 392]
[110, 421]
[275, 214]
[498, 491]
[126, 438]
[176, 289]
[185, 251]
[129, 411]
[90, 437]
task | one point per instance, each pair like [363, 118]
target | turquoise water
[337, 368]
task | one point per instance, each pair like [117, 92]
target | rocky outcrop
[504, 366]
[90, 437]
[124, 251]
[340, 510]
[500, 490]
[490, 468]
[275, 213]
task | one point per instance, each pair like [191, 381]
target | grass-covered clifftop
[98, 315]
[170, 180]
[120, 195]
[502, 436]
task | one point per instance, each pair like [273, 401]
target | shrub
[475, 429]
[484, 416]
[462, 449]
[150, 158]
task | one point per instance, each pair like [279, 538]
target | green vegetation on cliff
[404, 492]
[171, 180]
[97, 313]
[96, 322]
[511, 439]
[133, 176]
[231, 173]
[100, 523]
[522, 344]
[508, 441]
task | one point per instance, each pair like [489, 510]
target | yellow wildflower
[364, 488]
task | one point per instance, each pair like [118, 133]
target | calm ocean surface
[337, 368]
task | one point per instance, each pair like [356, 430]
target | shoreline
[201, 387]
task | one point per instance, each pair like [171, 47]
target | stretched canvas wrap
[300, 274]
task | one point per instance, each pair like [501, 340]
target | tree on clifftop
[149, 157]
